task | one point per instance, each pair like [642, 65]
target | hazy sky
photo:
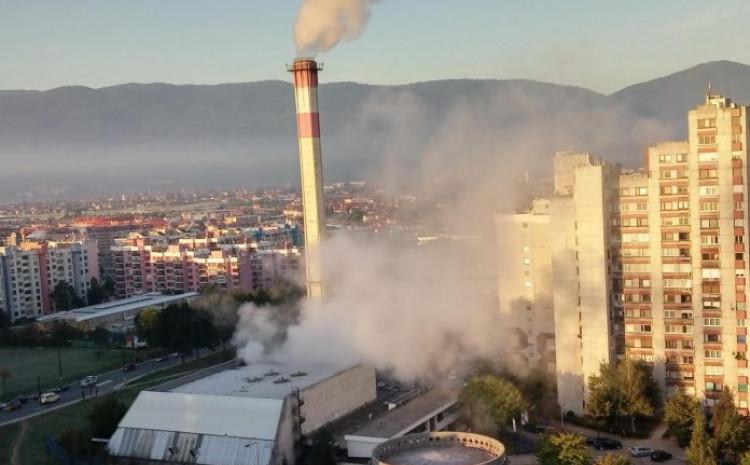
[600, 44]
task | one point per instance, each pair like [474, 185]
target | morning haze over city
[385, 232]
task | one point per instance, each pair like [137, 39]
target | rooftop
[404, 418]
[206, 429]
[204, 414]
[260, 380]
[117, 306]
[456, 455]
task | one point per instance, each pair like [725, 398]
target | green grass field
[32, 449]
[28, 364]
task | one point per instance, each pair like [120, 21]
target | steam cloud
[423, 311]
[321, 24]
[409, 311]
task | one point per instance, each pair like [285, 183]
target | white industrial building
[432, 411]
[118, 315]
[252, 415]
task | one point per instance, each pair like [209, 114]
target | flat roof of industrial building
[456, 455]
[409, 415]
[204, 414]
[262, 380]
[117, 306]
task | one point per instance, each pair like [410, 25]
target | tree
[563, 449]
[75, 442]
[105, 416]
[745, 459]
[489, 403]
[5, 375]
[323, 449]
[612, 459]
[97, 293]
[680, 411]
[701, 449]
[182, 328]
[145, 325]
[64, 297]
[730, 430]
[623, 390]
[605, 395]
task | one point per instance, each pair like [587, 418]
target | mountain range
[162, 136]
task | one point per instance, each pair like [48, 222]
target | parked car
[660, 456]
[49, 398]
[89, 381]
[22, 398]
[128, 367]
[641, 451]
[603, 443]
[11, 406]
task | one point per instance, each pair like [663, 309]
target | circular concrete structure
[444, 448]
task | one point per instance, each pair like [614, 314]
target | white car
[89, 381]
[49, 398]
[641, 451]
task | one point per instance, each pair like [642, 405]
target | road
[107, 382]
[656, 441]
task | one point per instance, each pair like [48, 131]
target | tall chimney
[305, 74]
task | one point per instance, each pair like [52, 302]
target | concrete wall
[524, 286]
[337, 396]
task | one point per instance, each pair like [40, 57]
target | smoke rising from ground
[409, 311]
[424, 311]
[321, 24]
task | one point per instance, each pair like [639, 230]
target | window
[709, 223]
[712, 302]
[678, 329]
[709, 239]
[675, 236]
[709, 255]
[707, 139]
[708, 190]
[677, 268]
[706, 123]
[707, 174]
[714, 371]
[712, 321]
[682, 220]
[708, 156]
[713, 354]
[673, 190]
[675, 205]
[714, 387]
[712, 338]
[634, 328]
[665, 158]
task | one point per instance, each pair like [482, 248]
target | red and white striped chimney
[305, 75]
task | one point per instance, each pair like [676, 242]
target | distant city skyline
[599, 45]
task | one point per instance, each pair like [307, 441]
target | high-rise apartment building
[527, 315]
[29, 273]
[143, 265]
[652, 264]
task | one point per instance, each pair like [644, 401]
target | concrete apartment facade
[652, 264]
[528, 314]
[30, 271]
[143, 265]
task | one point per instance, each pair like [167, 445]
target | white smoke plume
[321, 24]
[409, 311]
[423, 311]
